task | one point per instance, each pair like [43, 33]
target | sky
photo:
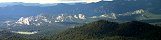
[51, 1]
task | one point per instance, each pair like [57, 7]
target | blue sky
[51, 1]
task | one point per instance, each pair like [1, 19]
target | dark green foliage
[104, 30]
[17, 38]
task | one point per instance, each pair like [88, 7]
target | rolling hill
[105, 30]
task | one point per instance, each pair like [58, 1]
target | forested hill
[104, 30]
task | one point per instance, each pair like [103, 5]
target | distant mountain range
[40, 22]
[83, 18]
[90, 9]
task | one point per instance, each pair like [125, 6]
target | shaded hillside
[5, 34]
[104, 30]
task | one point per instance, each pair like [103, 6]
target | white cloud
[49, 1]
[107, 0]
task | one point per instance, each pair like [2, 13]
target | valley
[102, 20]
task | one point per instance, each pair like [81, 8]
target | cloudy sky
[51, 1]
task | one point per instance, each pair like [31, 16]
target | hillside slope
[104, 30]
